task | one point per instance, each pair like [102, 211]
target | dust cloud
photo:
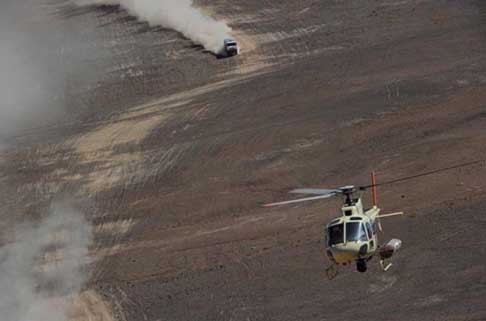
[41, 269]
[31, 80]
[179, 15]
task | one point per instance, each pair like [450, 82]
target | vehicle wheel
[361, 266]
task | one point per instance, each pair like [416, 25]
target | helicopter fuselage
[353, 236]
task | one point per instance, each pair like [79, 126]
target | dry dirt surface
[172, 152]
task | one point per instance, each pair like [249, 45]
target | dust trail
[42, 265]
[24, 94]
[31, 79]
[179, 15]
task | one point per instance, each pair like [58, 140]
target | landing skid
[385, 265]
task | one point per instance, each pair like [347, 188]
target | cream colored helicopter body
[352, 236]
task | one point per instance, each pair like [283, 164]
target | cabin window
[335, 234]
[355, 232]
[373, 226]
[369, 229]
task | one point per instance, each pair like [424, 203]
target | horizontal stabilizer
[389, 215]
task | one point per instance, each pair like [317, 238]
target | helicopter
[352, 237]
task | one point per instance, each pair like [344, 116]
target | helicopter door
[370, 232]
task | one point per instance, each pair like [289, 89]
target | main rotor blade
[299, 200]
[315, 191]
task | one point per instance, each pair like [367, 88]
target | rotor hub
[348, 191]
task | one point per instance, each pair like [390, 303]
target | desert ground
[170, 154]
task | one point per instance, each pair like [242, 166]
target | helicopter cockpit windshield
[335, 234]
[355, 231]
